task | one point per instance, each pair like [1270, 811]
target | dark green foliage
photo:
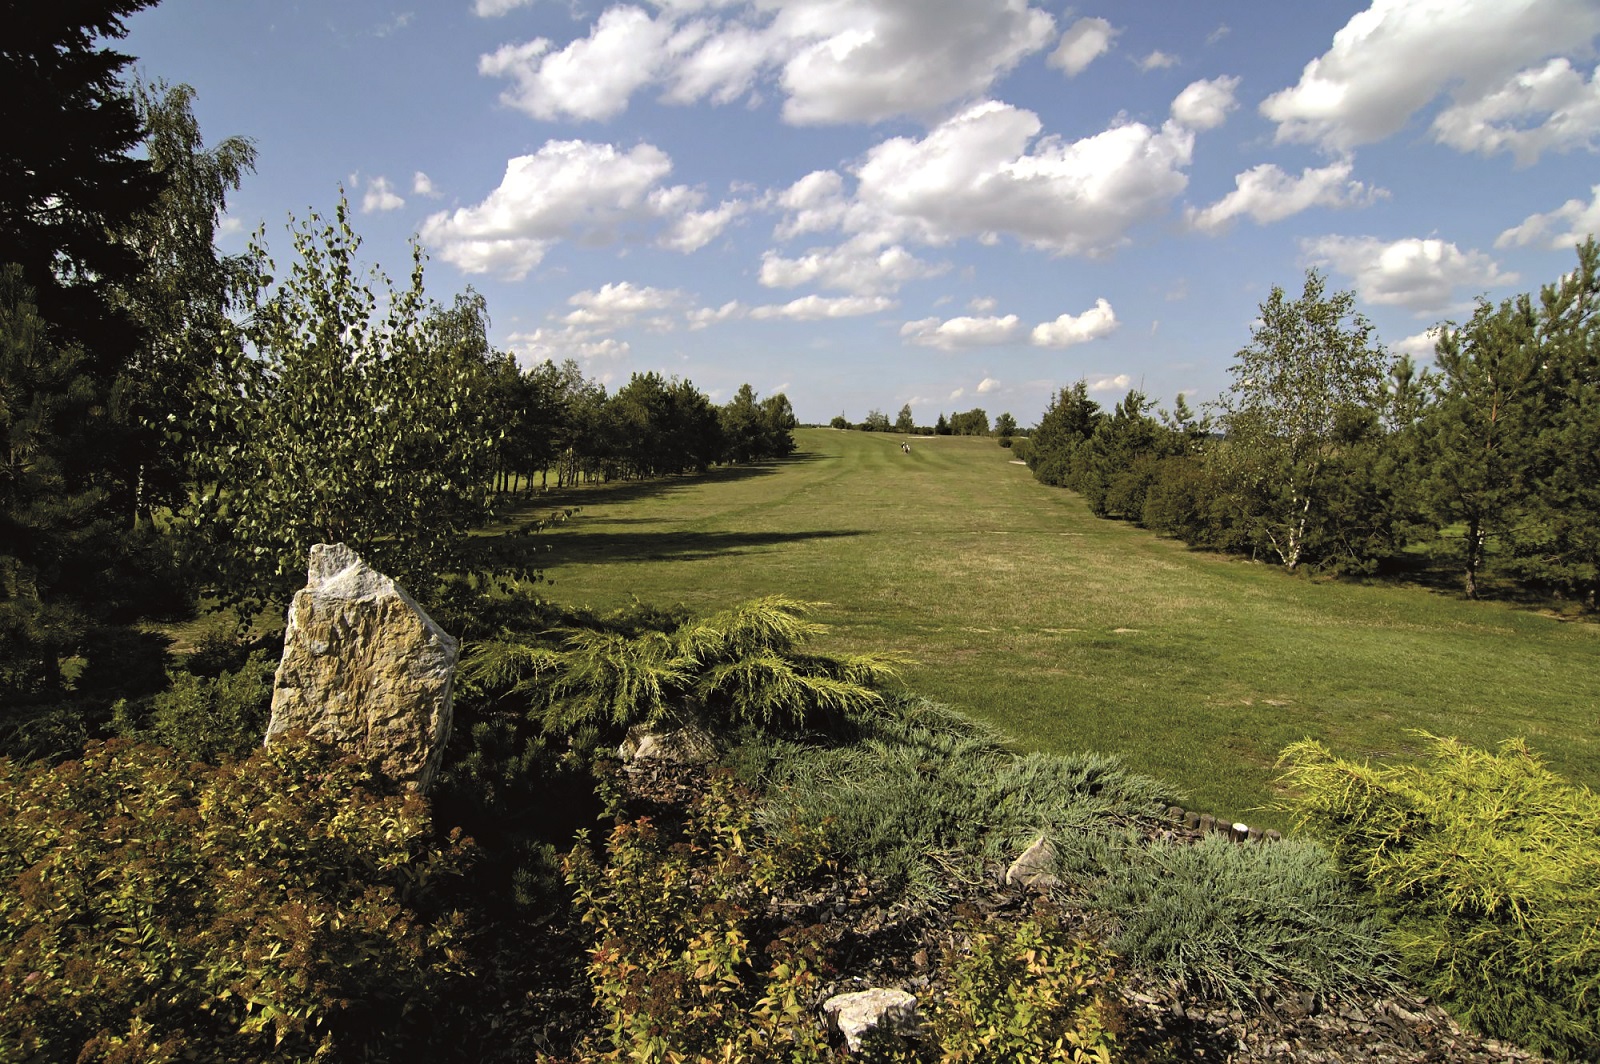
[1067, 424]
[752, 431]
[974, 422]
[1230, 920]
[1312, 367]
[183, 293]
[342, 417]
[1478, 436]
[282, 908]
[69, 184]
[71, 573]
[660, 427]
[1488, 865]
[1559, 547]
[209, 718]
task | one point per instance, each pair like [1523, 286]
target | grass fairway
[1072, 633]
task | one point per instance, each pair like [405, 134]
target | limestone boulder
[366, 668]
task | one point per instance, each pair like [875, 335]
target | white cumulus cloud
[1084, 41]
[568, 189]
[831, 60]
[380, 196]
[695, 229]
[1067, 330]
[985, 172]
[1549, 108]
[563, 343]
[987, 385]
[1397, 56]
[1205, 104]
[860, 265]
[422, 185]
[1158, 60]
[496, 8]
[1419, 274]
[612, 306]
[591, 78]
[1110, 384]
[1267, 194]
[821, 308]
[1571, 223]
[963, 332]
[1419, 345]
[705, 317]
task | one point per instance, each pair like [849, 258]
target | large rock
[364, 667]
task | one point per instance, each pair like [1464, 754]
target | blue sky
[951, 203]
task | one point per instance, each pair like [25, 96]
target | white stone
[853, 1015]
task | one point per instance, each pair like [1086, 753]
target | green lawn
[1072, 633]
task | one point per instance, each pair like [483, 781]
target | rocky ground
[877, 943]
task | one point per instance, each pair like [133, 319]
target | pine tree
[68, 184]
[1479, 433]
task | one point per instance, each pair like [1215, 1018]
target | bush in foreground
[280, 908]
[1489, 865]
[678, 970]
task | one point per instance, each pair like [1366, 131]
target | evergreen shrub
[1488, 864]
[1230, 920]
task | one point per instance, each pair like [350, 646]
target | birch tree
[1312, 365]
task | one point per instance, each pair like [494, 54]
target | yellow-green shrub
[1024, 992]
[1489, 865]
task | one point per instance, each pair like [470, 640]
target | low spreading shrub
[922, 798]
[1228, 920]
[281, 908]
[209, 717]
[1488, 864]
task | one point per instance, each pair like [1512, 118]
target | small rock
[689, 745]
[1036, 867]
[853, 1015]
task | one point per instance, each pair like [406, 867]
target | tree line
[178, 423]
[1326, 452]
[974, 422]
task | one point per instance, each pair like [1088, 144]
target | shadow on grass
[605, 547]
[632, 490]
